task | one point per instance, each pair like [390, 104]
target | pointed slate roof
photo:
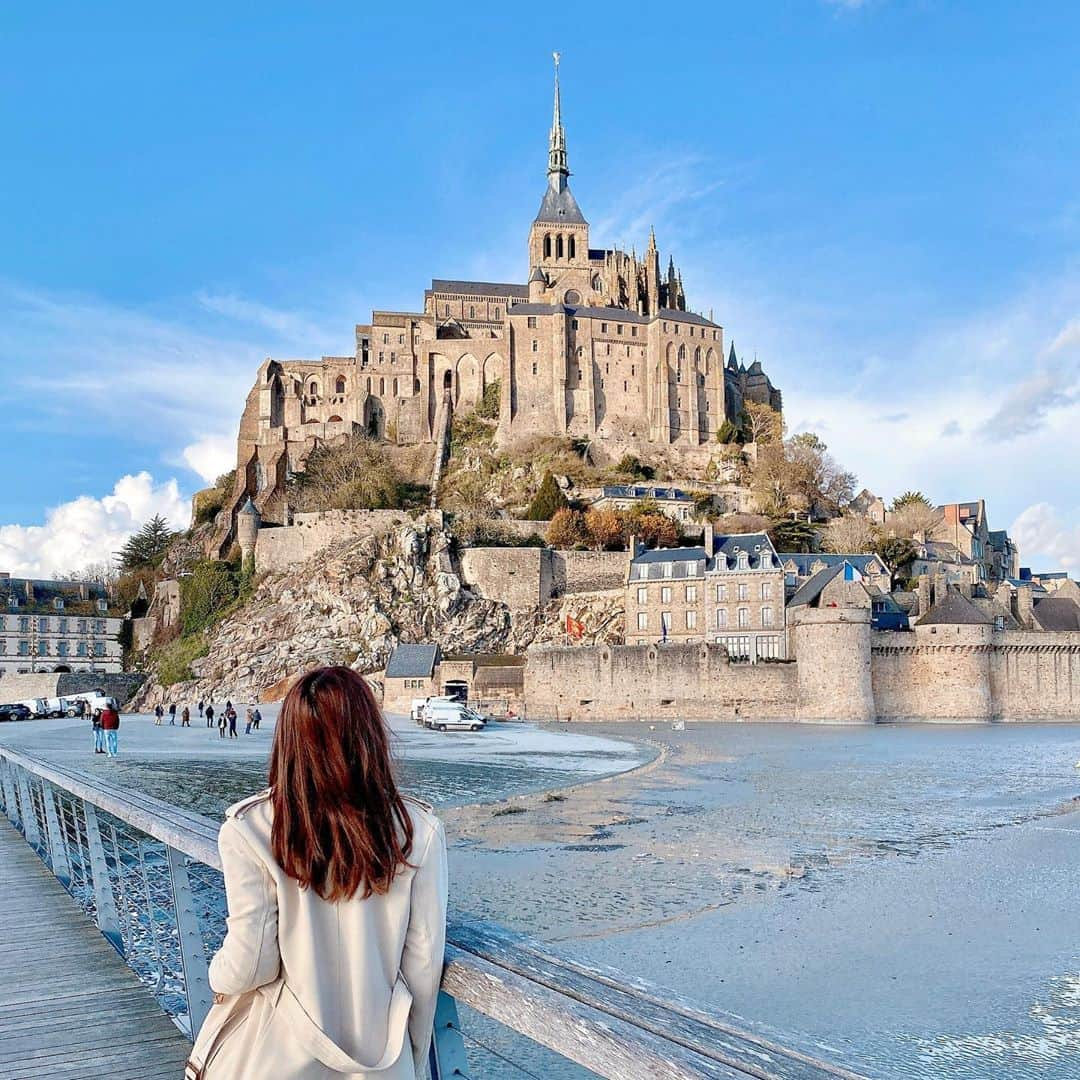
[954, 609]
[413, 662]
[1057, 613]
[811, 589]
[559, 207]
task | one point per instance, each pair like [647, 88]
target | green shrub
[173, 661]
[488, 408]
[547, 500]
[206, 594]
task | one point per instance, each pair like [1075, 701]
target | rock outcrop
[354, 603]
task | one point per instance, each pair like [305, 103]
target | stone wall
[843, 673]
[587, 571]
[283, 549]
[122, 686]
[517, 577]
[645, 682]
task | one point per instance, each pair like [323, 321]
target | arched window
[682, 353]
[559, 246]
[416, 386]
[382, 387]
[339, 386]
[313, 389]
[369, 384]
[571, 247]
[395, 387]
[547, 247]
[472, 311]
[334, 420]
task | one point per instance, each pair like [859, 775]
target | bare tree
[762, 423]
[850, 534]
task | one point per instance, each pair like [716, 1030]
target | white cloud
[90, 530]
[1046, 542]
[211, 456]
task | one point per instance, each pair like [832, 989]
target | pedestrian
[250, 720]
[99, 735]
[200, 708]
[336, 889]
[257, 719]
[231, 713]
[210, 715]
[110, 724]
[185, 717]
[159, 712]
[222, 723]
[172, 714]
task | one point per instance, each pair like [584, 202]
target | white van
[451, 716]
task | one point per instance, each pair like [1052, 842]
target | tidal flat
[900, 899]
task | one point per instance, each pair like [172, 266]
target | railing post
[58, 853]
[107, 918]
[192, 953]
[11, 804]
[26, 811]
[447, 1056]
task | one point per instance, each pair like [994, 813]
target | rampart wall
[843, 674]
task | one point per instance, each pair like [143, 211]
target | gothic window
[559, 246]
[339, 386]
[570, 247]
[369, 384]
[472, 312]
[547, 247]
[498, 313]
[386, 339]
[572, 298]
[395, 388]
[596, 283]
[682, 353]
[382, 387]
[313, 389]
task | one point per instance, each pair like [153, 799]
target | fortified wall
[844, 673]
[529, 577]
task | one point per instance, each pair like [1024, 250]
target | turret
[247, 532]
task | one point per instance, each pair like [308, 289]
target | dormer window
[103, 605]
[58, 603]
[744, 561]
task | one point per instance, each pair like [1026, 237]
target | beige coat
[317, 990]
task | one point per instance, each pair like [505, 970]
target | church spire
[558, 170]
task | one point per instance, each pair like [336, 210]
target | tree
[910, 498]
[147, 547]
[205, 593]
[775, 483]
[656, 530]
[633, 468]
[761, 423]
[490, 401]
[793, 534]
[912, 518]
[728, 432]
[567, 529]
[547, 500]
[849, 534]
[350, 473]
[604, 529]
[825, 487]
[896, 552]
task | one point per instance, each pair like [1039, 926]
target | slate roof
[804, 562]
[478, 288]
[1057, 613]
[37, 596]
[809, 591]
[728, 547]
[953, 609]
[560, 207]
[634, 491]
[412, 662]
[943, 551]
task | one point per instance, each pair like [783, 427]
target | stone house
[419, 671]
[411, 672]
[800, 567]
[730, 592]
[674, 502]
[58, 626]
[965, 526]
[940, 557]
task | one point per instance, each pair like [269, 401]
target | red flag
[574, 628]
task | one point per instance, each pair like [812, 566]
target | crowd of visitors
[106, 722]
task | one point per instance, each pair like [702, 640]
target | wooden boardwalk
[69, 1005]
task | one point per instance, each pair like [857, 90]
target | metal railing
[149, 873]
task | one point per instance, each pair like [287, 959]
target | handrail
[617, 1026]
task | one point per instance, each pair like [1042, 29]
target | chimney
[709, 540]
[631, 552]
[924, 594]
[941, 587]
[1025, 605]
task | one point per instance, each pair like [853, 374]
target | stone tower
[247, 531]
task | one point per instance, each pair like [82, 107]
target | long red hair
[340, 825]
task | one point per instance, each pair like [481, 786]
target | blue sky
[879, 198]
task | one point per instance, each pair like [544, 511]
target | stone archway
[468, 390]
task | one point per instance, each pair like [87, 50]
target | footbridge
[113, 902]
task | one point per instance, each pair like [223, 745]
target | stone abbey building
[597, 343]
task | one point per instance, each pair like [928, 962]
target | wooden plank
[69, 1005]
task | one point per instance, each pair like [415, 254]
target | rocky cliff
[354, 603]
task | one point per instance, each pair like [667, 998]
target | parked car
[452, 716]
[14, 712]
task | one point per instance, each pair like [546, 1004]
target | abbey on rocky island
[598, 344]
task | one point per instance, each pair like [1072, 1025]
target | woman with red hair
[336, 885]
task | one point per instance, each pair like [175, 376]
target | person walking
[330, 861]
[256, 719]
[250, 720]
[210, 715]
[222, 723]
[201, 703]
[231, 713]
[172, 714]
[99, 735]
[159, 712]
[185, 717]
[110, 724]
